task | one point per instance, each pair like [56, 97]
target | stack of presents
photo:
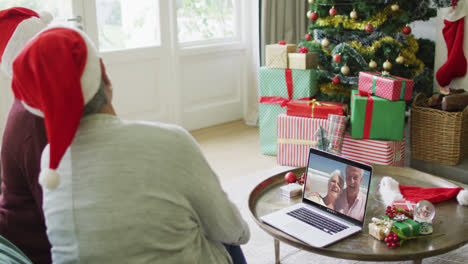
[292, 121]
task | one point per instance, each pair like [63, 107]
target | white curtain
[276, 20]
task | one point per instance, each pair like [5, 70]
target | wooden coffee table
[451, 220]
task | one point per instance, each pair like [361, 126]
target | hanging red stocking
[454, 33]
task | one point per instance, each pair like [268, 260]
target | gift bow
[314, 102]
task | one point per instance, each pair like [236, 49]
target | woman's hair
[340, 178]
[98, 101]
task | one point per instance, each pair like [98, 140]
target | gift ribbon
[296, 141]
[281, 100]
[314, 102]
[374, 83]
[368, 116]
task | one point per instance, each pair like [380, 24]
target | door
[176, 61]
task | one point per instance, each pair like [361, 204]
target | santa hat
[390, 190]
[57, 73]
[17, 26]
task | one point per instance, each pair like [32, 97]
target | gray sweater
[138, 192]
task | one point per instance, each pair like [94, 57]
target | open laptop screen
[338, 185]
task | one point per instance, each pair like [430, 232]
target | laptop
[324, 215]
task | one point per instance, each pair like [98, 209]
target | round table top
[451, 219]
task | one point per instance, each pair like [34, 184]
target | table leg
[277, 252]
[417, 261]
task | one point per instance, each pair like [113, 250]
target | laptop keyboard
[317, 220]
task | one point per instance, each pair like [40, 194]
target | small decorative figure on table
[424, 212]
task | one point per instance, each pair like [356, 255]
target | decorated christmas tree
[368, 35]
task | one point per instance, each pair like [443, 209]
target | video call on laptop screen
[337, 184]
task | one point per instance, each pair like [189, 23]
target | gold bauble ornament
[373, 64]
[395, 7]
[311, 1]
[400, 59]
[387, 65]
[345, 69]
[325, 42]
[353, 14]
[309, 13]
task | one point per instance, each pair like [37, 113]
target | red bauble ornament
[303, 50]
[407, 30]
[313, 16]
[336, 80]
[308, 36]
[369, 28]
[282, 42]
[333, 11]
[337, 58]
[290, 177]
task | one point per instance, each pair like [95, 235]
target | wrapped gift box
[315, 109]
[276, 88]
[391, 153]
[277, 55]
[374, 117]
[387, 86]
[377, 231]
[296, 135]
[405, 205]
[409, 227]
[303, 61]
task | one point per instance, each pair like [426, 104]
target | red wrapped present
[405, 205]
[387, 86]
[391, 153]
[315, 109]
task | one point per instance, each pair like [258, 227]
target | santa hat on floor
[390, 190]
[56, 74]
[17, 26]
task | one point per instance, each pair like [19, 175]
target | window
[126, 24]
[202, 20]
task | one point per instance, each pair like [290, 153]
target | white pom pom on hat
[18, 25]
[49, 178]
[462, 197]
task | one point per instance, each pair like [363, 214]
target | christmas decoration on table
[294, 184]
[315, 109]
[453, 32]
[384, 152]
[374, 117]
[276, 88]
[277, 54]
[424, 213]
[390, 190]
[336, 128]
[370, 35]
[386, 86]
[303, 59]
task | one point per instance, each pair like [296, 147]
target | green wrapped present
[409, 227]
[373, 117]
[276, 88]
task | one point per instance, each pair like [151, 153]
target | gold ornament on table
[353, 14]
[400, 59]
[395, 7]
[325, 42]
[387, 65]
[345, 69]
[373, 64]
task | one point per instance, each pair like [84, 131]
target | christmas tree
[368, 35]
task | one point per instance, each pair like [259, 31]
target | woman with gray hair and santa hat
[118, 191]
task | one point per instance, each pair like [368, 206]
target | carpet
[260, 248]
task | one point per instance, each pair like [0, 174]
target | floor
[233, 150]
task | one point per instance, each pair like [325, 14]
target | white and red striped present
[405, 205]
[391, 153]
[295, 136]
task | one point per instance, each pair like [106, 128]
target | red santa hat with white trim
[390, 190]
[56, 74]
[18, 25]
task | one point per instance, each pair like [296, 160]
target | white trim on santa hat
[24, 32]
